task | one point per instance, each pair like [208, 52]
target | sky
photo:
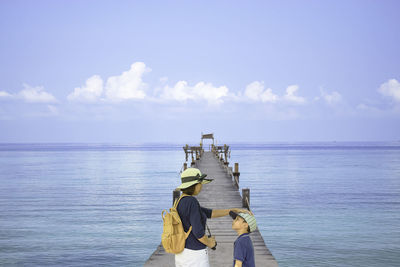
[167, 71]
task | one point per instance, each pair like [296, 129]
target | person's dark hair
[189, 190]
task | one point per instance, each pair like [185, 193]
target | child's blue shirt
[244, 251]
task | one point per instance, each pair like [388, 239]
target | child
[243, 252]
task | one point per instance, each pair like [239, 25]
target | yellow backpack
[173, 237]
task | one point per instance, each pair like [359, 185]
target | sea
[316, 204]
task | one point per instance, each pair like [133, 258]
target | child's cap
[251, 221]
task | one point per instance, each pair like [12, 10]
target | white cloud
[391, 89]
[210, 93]
[36, 95]
[332, 98]
[291, 96]
[5, 94]
[128, 85]
[92, 91]
[201, 91]
[363, 106]
[180, 92]
[255, 91]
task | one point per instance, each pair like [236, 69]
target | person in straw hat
[192, 214]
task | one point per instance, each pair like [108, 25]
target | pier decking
[222, 193]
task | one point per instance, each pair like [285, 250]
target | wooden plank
[219, 194]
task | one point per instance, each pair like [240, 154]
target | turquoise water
[88, 205]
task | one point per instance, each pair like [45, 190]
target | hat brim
[189, 184]
[233, 214]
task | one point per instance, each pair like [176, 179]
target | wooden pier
[222, 193]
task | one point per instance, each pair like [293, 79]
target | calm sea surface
[316, 204]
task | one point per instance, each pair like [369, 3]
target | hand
[242, 211]
[211, 242]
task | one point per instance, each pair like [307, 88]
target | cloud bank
[130, 85]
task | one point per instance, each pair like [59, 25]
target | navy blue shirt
[243, 250]
[192, 214]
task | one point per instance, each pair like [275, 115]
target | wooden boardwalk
[219, 194]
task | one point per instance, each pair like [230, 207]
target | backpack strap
[179, 199]
[188, 232]
[176, 207]
[163, 213]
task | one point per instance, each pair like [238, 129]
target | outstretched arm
[222, 213]
[219, 213]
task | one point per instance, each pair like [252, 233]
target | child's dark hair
[189, 190]
[248, 227]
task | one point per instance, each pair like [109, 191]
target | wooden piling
[186, 151]
[246, 198]
[236, 175]
[226, 154]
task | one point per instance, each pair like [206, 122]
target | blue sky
[159, 71]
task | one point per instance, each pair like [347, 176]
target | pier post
[236, 175]
[184, 166]
[246, 198]
[186, 151]
[193, 163]
[175, 195]
[226, 155]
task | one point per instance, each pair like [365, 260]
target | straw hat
[192, 176]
